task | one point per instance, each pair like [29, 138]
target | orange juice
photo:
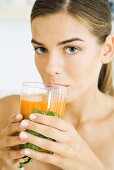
[47, 99]
[28, 106]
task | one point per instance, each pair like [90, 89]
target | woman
[73, 46]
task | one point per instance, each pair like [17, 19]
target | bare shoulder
[9, 105]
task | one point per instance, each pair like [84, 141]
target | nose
[54, 65]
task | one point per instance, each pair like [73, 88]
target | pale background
[16, 51]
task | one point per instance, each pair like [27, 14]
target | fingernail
[18, 116]
[24, 123]
[25, 152]
[22, 168]
[23, 135]
[32, 116]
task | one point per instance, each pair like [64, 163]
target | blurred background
[16, 51]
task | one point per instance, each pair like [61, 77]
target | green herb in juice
[34, 147]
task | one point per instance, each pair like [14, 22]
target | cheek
[84, 68]
[39, 65]
[82, 75]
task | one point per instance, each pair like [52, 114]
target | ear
[108, 50]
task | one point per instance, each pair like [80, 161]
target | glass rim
[29, 84]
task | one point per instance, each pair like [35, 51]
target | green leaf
[37, 111]
[36, 134]
[51, 113]
[43, 112]
[34, 147]
[22, 164]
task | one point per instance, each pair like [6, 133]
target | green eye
[40, 50]
[71, 50]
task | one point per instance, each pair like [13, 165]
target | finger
[44, 143]
[12, 129]
[51, 121]
[16, 118]
[13, 162]
[43, 157]
[14, 155]
[45, 130]
[10, 141]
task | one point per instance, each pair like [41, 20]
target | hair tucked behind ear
[96, 14]
[105, 79]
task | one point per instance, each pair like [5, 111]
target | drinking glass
[41, 98]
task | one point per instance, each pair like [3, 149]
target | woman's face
[66, 53]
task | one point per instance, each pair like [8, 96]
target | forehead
[59, 26]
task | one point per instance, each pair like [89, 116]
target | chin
[70, 99]
[71, 95]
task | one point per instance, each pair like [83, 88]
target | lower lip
[66, 85]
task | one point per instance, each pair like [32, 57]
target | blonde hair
[97, 16]
[105, 83]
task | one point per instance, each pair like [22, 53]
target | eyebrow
[60, 43]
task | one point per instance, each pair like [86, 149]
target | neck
[84, 107]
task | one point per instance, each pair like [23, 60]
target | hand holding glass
[39, 98]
